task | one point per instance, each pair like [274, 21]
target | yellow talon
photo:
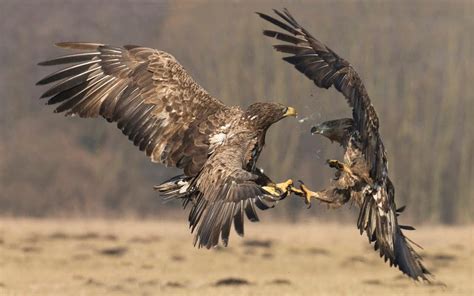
[297, 191]
[340, 166]
[307, 194]
[279, 189]
[283, 186]
[271, 190]
[304, 192]
[335, 164]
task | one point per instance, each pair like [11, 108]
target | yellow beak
[290, 112]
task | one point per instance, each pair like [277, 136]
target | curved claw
[307, 194]
[304, 192]
[284, 186]
[279, 190]
[335, 164]
[271, 190]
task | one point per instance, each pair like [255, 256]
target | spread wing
[225, 192]
[322, 65]
[378, 217]
[146, 92]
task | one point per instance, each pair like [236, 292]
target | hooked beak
[290, 111]
[317, 129]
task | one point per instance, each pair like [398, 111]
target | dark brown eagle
[164, 112]
[363, 176]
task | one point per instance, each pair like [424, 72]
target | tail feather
[213, 220]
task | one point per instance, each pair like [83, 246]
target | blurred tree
[415, 61]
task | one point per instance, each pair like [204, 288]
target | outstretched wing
[382, 228]
[225, 192]
[322, 65]
[147, 92]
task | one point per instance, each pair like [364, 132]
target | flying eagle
[164, 112]
[363, 176]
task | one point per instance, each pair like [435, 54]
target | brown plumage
[363, 177]
[164, 112]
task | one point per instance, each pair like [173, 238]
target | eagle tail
[211, 221]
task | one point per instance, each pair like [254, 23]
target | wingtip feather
[79, 45]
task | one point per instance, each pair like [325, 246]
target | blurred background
[78, 214]
[415, 59]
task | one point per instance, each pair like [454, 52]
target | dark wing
[147, 92]
[382, 228]
[226, 191]
[320, 64]
[379, 219]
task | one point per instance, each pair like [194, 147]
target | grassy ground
[84, 257]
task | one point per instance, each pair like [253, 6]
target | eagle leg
[280, 190]
[304, 192]
[333, 163]
[340, 167]
[308, 194]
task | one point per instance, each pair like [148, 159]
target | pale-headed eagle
[363, 176]
[164, 112]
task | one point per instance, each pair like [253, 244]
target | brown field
[84, 257]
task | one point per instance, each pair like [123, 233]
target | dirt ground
[98, 257]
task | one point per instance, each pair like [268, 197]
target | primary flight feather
[164, 112]
[363, 177]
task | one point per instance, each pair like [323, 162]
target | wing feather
[378, 214]
[228, 193]
[146, 91]
[382, 228]
[322, 65]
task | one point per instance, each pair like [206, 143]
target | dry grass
[84, 257]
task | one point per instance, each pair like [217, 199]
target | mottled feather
[164, 112]
[366, 181]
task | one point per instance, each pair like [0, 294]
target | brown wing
[378, 215]
[147, 92]
[226, 192]
[378, 219]
[320, 64]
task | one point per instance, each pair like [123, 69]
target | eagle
[363, 175]
[170, 117]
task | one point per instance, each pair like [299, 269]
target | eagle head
[262, 115]
[335, 130]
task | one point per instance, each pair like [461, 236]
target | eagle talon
[284, 187]
[304, 192]
[307, 194]
[280, 189]
[341, 168]
[271, 190]
[333, 163]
